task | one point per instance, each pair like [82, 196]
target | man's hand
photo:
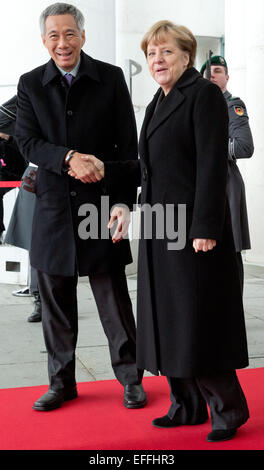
[84, 169]
[98, 163]
[122, 215]
[203, 244]
[4, 136]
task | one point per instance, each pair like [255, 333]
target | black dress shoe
[221, 435]
[54, 399]
[165, 422]
[134, 396]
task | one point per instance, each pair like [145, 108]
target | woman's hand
[4, 136]
[203, 244]
[122, 215]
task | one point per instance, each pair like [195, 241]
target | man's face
[219, 76]
[63, 40]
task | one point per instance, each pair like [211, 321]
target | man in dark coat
[240, 146]
[68, 108]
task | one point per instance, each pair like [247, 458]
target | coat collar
[171, 102]
[227, 95]
[188, 77]
[87, 69]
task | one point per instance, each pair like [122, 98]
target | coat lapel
[172, 101]
[50, 72]
[149, 112]
[87, 69]
[169, 104]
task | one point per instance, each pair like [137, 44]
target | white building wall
[245, 56]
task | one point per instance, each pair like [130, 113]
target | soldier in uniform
[240, 146]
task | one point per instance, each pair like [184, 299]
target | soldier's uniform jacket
[240, 146]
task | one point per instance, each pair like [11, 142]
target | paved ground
[23, 359]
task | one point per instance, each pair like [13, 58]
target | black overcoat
[93, 116]
[190, 318]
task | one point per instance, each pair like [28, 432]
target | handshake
[89, 169]
[86, 168]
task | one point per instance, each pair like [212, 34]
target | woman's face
[166, 62]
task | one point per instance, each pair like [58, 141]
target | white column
[254, 14]
[244, 53]
[235, 46]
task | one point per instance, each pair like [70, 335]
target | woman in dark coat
[191, 324]
[190, 318]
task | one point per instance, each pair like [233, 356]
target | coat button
[145, 174]
[73, 193]
[69, 112]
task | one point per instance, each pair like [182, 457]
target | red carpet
[97, 420]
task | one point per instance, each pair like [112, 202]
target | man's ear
[43, 40]
[83, 37]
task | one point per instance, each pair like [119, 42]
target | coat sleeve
[240, 136]
[211, 140]
[122, 176]
[8, 116]
[31, 143]
[126, 172]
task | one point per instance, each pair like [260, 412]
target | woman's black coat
[190, 318]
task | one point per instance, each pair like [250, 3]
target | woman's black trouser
[221, 392]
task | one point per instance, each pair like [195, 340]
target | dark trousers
[33, 287]
[221, 392]
[60, 325]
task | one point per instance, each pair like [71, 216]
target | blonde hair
[183, 37]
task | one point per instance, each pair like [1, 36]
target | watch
[69, 157]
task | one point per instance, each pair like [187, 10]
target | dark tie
[68, 77]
